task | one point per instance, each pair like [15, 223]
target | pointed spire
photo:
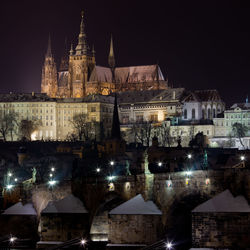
[49, 54]
[71, 52]
[111, 59]
[115, 132]
[82, 46]
[93, 50]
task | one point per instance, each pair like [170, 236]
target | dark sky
[198, 44]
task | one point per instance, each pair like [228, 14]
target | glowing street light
[83, 242]
[9, 174]
[110, 178]
[159, 164]
[12, 239]
[242, 158]
[50, 175]
[169, 245]
[52, 183]
[112, 163]
[98, 170]
[188, 173]
[15, 179]
[52, 169]
[189, 156]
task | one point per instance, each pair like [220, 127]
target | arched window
[203, 113]
[209, 113]
[185, 114]
[214, 113]
[193, 113]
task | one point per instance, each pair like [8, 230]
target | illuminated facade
[56, 115]
[79, 76]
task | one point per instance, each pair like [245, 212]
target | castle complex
[79, 76]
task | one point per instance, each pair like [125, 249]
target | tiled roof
[25, 97]
[150, 95]
[208, 95]
[241, 105]
[101, 74]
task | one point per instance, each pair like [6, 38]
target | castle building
[79, 76]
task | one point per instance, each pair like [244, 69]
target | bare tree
[142, 132]
[239, 130]
[84, 129]
[164, 133]
[27, 127]
[8, 124]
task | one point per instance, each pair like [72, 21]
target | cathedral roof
[101, 74]
[161, 95]
[147, 73]
[130, 74]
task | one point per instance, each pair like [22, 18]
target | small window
[185, 114]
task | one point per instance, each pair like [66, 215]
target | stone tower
[49, 74]
[81, 63]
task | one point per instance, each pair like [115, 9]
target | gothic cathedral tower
[49, 74]
[81, 63]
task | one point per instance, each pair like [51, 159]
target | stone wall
[63, 227]
[221, 230]
[134, 229]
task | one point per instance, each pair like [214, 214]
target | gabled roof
[69, 205]
[20, 209]
[224, 202]
[208, 95]
[137, 205]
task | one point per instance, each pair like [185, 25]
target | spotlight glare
[159, 164]
[98, 170]
[9, 174]
[169, 245]
[111, 178]
[52, 169]
[9, 186]
[15, 180]
[52, 182]
[112, 163]
[189, 156]
[12, 239]
[188, 173]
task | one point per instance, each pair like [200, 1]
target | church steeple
[82, 47]
[48, 53]
[111, 58]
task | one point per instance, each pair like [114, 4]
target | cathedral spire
[81, 47]
[111, 59]
[49, 54]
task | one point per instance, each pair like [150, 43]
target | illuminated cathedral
[79, 76]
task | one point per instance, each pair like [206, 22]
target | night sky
[198, 44]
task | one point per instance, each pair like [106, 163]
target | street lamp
[159, 164]
[112, 163]
[189, 156]
[12, 239]
[9, 174]
[83, 242]
[15, 179]
[50, 175]
[110, 178]
[169, 245]
[188, 173]
[9, 187]
[242, 158]
[98, 170]
[52, 183]
[52, 169]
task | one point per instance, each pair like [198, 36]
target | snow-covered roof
[136, 205]
[224, 202]
[20, 209]
[70, 204]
